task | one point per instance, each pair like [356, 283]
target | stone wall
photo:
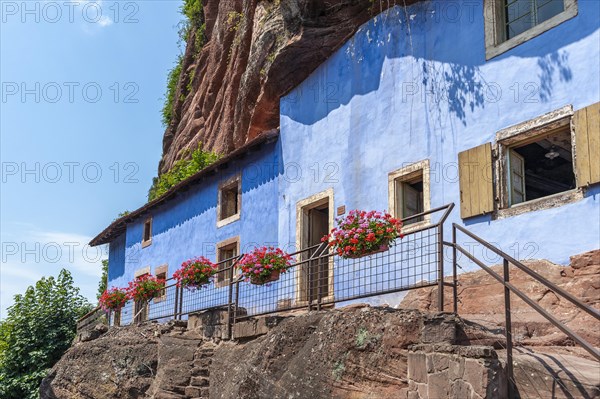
[452, 371]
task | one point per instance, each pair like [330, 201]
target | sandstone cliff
[255, 51]
[481, 300]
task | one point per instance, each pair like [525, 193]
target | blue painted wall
[187, 227]
[410, 85]
[414, 84]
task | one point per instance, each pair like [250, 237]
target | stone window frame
[138, 273]
[147, 224]
[523, 132]
[315, 200]
[162, 269]
[407, 173]
[226, 243]
[235, 179]
[493, 19]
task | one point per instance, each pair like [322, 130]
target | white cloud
[29, 254]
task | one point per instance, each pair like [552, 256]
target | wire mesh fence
[318, 278]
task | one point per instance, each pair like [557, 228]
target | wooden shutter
[516, 179]
[475, 179]
[586, 124]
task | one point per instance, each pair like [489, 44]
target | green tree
[103, 284]
[39, 328]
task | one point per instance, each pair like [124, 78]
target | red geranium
[362, 232]
[195, 273]
[145, 287]
[113, 299]
[259, 265]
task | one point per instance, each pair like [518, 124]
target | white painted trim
[302, 206]
[233, 179]
[225, 243]
[406, 173]
[520, 134]
[494, 29]
[148, 242]
[532, 126]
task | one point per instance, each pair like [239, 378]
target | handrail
[88, 314]
[508, 288]
[557, 323]
[557, 290]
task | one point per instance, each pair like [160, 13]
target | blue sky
[81, 134]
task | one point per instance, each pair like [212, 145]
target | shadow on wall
[549, 65]
[449, 56]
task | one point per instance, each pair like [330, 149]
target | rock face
[482, 300]
[255, 52]
[356, 352]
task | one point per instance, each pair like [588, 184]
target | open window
[540, 168]
[409, 192]
[229, 201]
[538, 164]
[509, 23]
[147, 232]
[227, 251]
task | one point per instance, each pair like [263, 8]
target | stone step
[200, 372]
[540, 372]
[199, 381]
[203, 363]
[167, 395]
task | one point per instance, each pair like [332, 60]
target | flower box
[383, 248]
[274, 276]
[195, 273]
[146, 288]
[363, 233]
[264, 265]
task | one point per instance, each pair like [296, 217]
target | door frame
[302, 208]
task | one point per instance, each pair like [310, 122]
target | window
[409, 198]
[539, 164]
[147, 233]
[409, 192]
[521, 15]
[229, 201]
[161, 272]
[541, 168]
[509, 23]
[226, 252]
[140, 310]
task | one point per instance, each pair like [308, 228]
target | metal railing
[90, 319]
[318, 278]
[509, 289]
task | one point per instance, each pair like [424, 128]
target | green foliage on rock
[181, 170]
[39, 328]
[103, 284]
[172, 79]
[193, 22]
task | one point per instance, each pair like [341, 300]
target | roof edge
[118, 226]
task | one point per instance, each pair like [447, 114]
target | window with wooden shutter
[475, 179]
[586, 123]
[516, 181]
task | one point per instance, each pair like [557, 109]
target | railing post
[230, 302]
[454, 271]
[180, 313]
[440, 253]
[508, 333]
[319, 282]
[175, 316]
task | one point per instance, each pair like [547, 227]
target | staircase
[563, 371]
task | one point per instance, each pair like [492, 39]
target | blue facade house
[494, 109]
